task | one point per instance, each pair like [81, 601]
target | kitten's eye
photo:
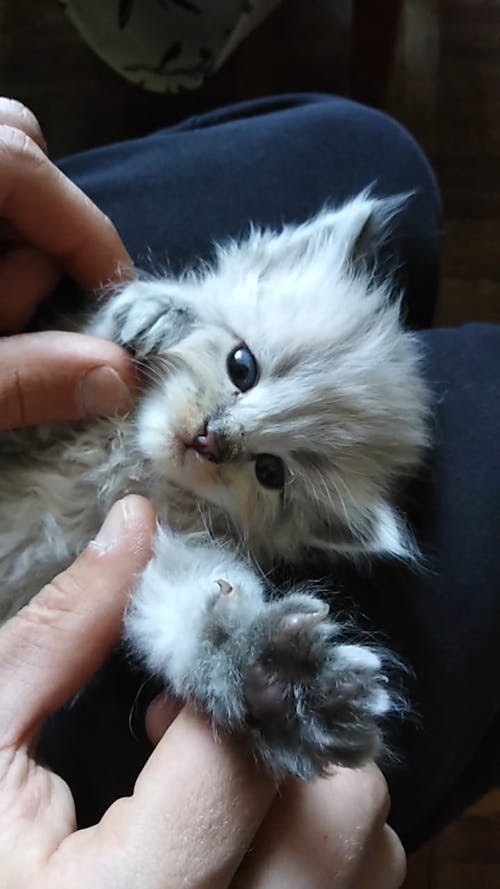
[242, 368]
[270, 471]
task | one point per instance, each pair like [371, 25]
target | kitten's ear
[362, 224]
[381, 531]
[348, 234]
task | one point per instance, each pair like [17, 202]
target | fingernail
[149, 691]
[159, 716]
[103, 393]
[113, 527]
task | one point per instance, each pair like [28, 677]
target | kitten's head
[293, 401]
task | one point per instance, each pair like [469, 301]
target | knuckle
[53, 603]
[10, 102]
[17, 115]
[15, 110]
[19, 145]
[60, 593]
[14, 106]
[27, 118]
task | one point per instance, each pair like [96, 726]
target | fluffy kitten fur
[338, 398]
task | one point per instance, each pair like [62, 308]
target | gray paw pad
[311, 701]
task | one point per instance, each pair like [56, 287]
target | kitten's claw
[225, 588]
[302, 622]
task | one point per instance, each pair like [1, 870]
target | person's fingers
[57, 642]
[15, 114]
[27, 276]
[316, 833]
[199, 799]
[49, 212]
[54, 376]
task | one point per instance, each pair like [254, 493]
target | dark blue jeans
[278, 160]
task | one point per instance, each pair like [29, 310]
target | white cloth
[164, 45]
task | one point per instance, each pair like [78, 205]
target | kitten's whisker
[155, 373]
[341, 481]
[328, 494]
[206, 520]
[265, 575]
[342, 502]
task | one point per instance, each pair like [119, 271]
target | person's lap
[279, 160]
[275, 160]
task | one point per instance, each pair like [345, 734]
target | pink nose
[208, 445]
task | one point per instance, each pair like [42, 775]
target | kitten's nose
[208, 444]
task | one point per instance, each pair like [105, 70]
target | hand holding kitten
[49, 225]
[188, 779]
[199, 804]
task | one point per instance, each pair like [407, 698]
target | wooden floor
[446, 88]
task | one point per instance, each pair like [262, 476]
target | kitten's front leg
[189, 622]
[277, 671]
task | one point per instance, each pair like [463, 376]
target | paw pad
[301, 623]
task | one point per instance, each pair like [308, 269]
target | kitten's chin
[196, 470]
[184, 467]
[172, 459]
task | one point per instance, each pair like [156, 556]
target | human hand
[48, 225]
[328, 834]
[198, 804]
[41, 379]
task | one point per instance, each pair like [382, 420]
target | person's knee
[367, 148]
[381, 139]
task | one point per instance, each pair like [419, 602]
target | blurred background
[433, 64]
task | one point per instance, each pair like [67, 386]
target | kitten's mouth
[190, 450]
[194, 470]
[182, 447]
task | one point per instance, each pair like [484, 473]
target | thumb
[57, 642]
[53, 376]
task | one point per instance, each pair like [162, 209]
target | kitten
[282, 404]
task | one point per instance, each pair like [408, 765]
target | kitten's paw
[145, 316]
[312, 701]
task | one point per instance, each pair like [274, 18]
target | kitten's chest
[55, 493]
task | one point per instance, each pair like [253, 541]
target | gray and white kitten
[283, 403]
